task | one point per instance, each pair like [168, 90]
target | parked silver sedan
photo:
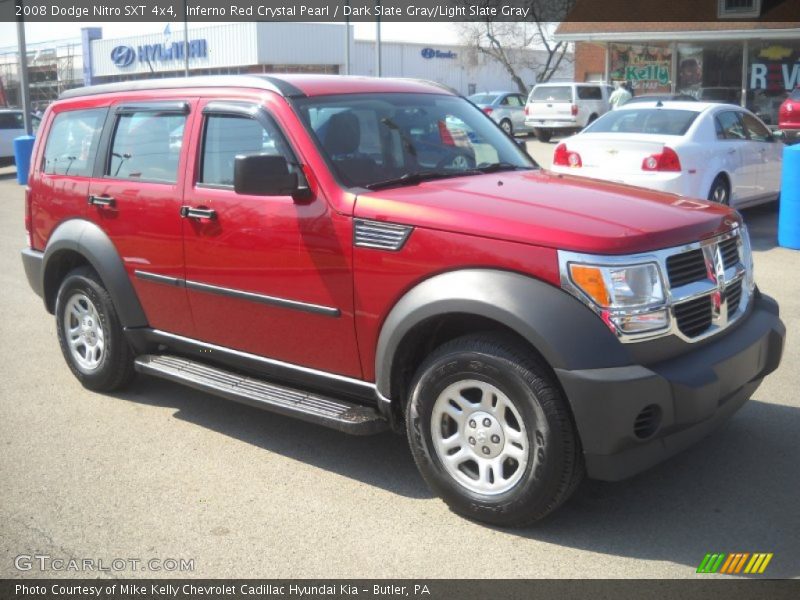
[506, 108]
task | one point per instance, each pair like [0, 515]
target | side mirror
[263, 175]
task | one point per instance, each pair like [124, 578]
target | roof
[632, 21]
[677, 104]
[290, 86]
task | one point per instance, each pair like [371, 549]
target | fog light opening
[647, 422]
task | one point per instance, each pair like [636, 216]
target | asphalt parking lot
[160, 471]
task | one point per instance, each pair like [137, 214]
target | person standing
[619, 96]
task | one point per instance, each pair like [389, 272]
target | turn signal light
[565, 158]
[590, 280]
[667, 160]
[574, 109]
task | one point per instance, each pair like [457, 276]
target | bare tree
[509, 43]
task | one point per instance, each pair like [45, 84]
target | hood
[553, 210]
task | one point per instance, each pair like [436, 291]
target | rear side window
[72, 143]
[590, 93]
[731, 126]
[147, 146]
[552, 93]
[225, 137]
[11, 120]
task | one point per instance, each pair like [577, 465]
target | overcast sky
[438, 33]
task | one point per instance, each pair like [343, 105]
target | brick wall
[589, 58]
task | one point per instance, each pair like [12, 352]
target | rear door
[769, 151]
[515, 104]
[741, 158]
[550, 103]
[136, 200]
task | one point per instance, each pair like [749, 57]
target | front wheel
[506, 126]
[89, 333]
[491, 432]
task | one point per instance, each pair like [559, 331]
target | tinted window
[551, 93]
[11, 120]
[659, 121]
[225, 137]
[589, 93]
[147, 146]
[757, 131]
[731, 125]
[72, 143]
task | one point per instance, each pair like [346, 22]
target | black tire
[720, 191]
[507, 126]
[555, 464]
[543, 135]
[114, 368]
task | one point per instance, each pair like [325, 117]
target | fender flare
[91, 242]
[564, 331]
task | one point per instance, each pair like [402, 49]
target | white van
[565, 108]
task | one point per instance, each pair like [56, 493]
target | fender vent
[647, 421]
[382, 236]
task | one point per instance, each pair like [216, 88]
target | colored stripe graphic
[729, 564]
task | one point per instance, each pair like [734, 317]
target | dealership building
[257, 47]
[746, 52]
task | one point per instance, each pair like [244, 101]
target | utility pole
[24, 91]
[185, 39]
[377, 40]
[347, 42]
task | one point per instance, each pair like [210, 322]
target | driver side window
[225, 137]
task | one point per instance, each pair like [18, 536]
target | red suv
[789, 116]
[375, 253]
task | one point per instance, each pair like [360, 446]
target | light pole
[185, 39]
[377, 39]
[23, 75]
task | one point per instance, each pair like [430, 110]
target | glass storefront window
[710, 71]
[773, 71]
[646, 66]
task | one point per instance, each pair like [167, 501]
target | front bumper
[683, 398]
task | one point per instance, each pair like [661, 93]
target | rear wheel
[491, 432]
[720, 191]
[543, 135]
[506, 126]
[89, 333]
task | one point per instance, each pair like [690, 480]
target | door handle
[189, 212]
[102, 201]
[731, 151]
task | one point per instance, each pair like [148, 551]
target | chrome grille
[734, 297]
[381, 236]
[730, 252]
[694, 317]
[686, 267]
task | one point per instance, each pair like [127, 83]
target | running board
[337, 414]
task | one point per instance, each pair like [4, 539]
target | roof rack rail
[262, 82]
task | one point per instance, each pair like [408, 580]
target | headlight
[629, 298]
[747, 260]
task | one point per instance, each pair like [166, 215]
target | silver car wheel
[84, 333]
[479, 437]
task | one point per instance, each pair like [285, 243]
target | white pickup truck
[565, 108]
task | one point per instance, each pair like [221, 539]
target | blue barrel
[789, 211]
[23, 147]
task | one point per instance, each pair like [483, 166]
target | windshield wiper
[500, 166]
[413, 178]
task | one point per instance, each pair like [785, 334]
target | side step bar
[331, 412]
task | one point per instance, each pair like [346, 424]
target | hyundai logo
[123, 56]
[428, 53]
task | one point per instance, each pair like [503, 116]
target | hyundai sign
[125, 56]
[432, 53]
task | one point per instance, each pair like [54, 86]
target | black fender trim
[91, 242]
[566, 333]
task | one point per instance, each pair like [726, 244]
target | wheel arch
[546, 319]
[79, 242]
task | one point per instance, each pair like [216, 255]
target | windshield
[372, 140]
[658, 121]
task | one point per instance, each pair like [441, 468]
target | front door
[136, 201]
[741, 158]
[769, 155]
[267, 275]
